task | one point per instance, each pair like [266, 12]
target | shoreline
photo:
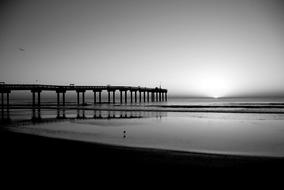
[19, 144]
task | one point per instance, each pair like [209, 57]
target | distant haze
[210, 48]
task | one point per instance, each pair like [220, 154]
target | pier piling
[131, 100]
[95, 97]
[149, 94]
[120, 96]
[100, 97]
[108, 96]
[113, 97]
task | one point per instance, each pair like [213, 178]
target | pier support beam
[34, 106]
[157, 96]
[8, 103]
[144, 98]
[33, 100]
[100, 97]
[148, 96]
[139, 96]
[135, 96]
[95, 97]
[113, 97]
[2, 105]
[131, 100]
[38, 98]
[63, 99]
[2, 99]
[125, 97]
[166, 96]
[58, 98]
[108, 96]
[120, 96]
[83, 98]
[63, 92]
[78, 96]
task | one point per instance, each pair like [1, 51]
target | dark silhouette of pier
[148, 94]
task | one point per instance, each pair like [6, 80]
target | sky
[212, 48]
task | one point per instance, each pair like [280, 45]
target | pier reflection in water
[38, 114]
[5, 113]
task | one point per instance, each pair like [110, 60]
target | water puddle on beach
[225, 133]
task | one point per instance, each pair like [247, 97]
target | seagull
[21, 49]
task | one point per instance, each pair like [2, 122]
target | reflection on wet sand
[61, 113]
[40, 115]
[5, 114]
[101, 114]
[36, 113]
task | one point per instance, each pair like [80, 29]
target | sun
[216, 96]
[214, 86]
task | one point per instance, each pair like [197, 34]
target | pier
[144, 94]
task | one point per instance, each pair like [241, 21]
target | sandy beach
[93, 147]
[22, 151]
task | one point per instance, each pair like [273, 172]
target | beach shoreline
[17, 145]
[36, 159]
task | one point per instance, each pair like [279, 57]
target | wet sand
[31, 157]
[22, 152]
[34, 161]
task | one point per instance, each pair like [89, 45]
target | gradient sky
[193, 48]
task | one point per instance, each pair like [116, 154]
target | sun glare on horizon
[214, 86]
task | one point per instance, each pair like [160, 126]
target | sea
[231, 126]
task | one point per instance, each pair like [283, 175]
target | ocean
[236, 126]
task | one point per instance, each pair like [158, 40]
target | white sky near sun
[194, 48]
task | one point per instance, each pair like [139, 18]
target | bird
[124, 134]
[21, 49]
